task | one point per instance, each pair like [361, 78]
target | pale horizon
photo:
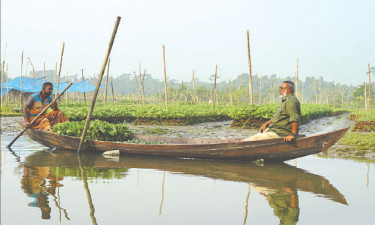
[333, 39]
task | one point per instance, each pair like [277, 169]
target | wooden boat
[271, 177]
[203, 148]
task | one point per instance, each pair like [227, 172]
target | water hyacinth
[98, 130]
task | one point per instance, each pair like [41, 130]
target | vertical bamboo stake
[260, 87]
[342, 98]
[58, 78]
[141, 83]
[113, 95]
[250, 78]
[239, 93]
[138, 88]
[302, 93]
[273, 90]
[44, 72]
[21, 103]
[296, 81]
[66, 94]
[98, 84]
[316, 92]
[334, 96]
[369, 88]
[84, 93]
[365, 92]
[320, 90]
[165, 80]
[214, 90]
[230, 93]
[194, 91]
[106, 84]
[32, 66]
[143, 87]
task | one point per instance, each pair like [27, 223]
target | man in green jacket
[285, 122]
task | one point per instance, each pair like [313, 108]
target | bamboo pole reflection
[247, 203]
[162, 193]
[86, 186]
[44, 189]
[368, 173]
[58, 196]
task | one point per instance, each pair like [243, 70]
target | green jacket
[289, 111]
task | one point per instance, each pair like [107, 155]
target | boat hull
[204, 148]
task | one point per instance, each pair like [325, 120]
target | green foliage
[363, 116]
[359, 141]
[92, 173]
[98, 130]
[308, 111]
[190, 114]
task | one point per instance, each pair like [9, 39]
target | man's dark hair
[290, 85]
[47, 84]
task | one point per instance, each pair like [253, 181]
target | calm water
[38, 187]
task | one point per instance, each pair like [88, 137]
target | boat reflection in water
[278, 183]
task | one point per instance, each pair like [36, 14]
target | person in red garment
[35, 105]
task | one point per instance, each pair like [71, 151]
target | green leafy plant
[98, 130]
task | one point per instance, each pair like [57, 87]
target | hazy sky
[332, 38]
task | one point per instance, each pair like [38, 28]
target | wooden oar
[43, 111]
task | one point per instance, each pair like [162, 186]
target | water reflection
[279, 184]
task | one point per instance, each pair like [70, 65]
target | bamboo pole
[32, 66]
[58, 78]
[302, 100]
[88, 194]
[334, 96]
[106, 84]
[143, 87]
[113, 95]
[316, 92]
[273, 90]
[21, 103]
[165, 79]
[84, 93]
[250, 77]
[141, 83]
[365, 92]
[246, 205]
[194, 88]
[342, 98]
[296, 81]
[138, 88]
[66, 94]
[369, 88]
[214, 90]
[260, 88]
[320, 90]
[230, 93]
[98, 84]
[239, 93]
[44, 72]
